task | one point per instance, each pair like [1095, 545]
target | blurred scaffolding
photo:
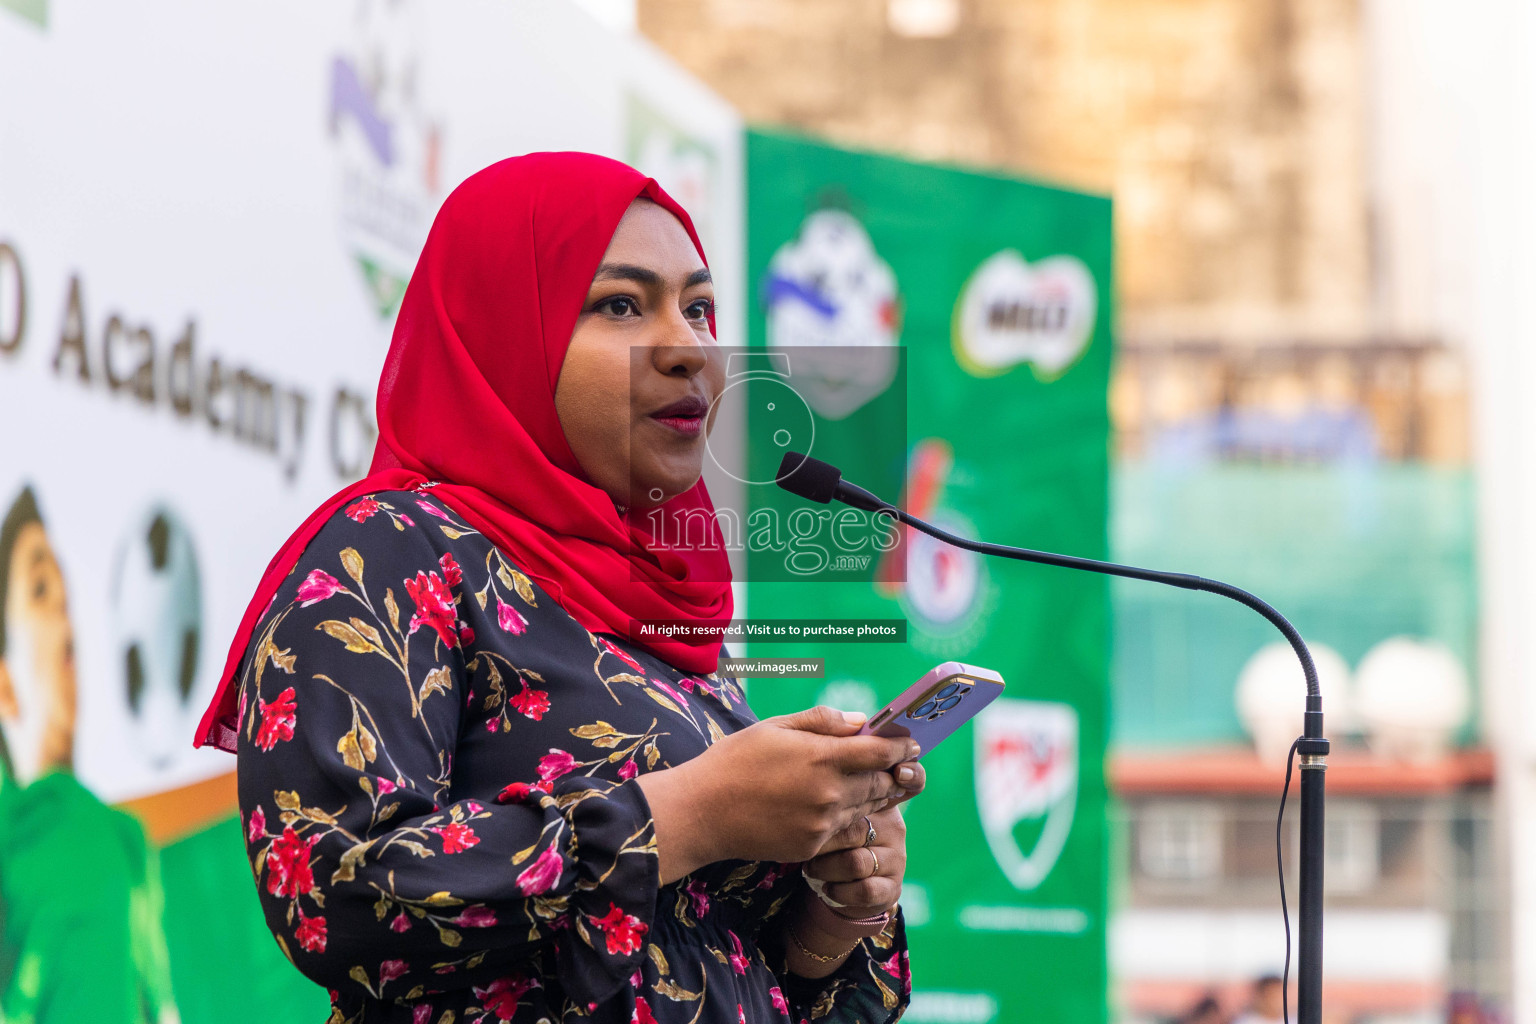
[1292, 404]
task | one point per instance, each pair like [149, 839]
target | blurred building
[1292, 410]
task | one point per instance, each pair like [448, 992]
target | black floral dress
[436, 772]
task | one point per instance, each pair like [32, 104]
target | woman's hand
[858, 880]
[777, 790]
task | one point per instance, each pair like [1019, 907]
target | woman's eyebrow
[645, 275]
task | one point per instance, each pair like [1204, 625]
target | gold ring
[869, 836]
[876, 859]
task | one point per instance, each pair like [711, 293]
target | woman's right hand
[776, 790]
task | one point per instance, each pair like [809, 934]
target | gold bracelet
[816, 956]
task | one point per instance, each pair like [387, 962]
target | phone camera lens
[947, 691]
[925, 708]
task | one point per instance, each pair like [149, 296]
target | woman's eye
[619, 305]
[701, 310]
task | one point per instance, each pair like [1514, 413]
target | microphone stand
[1311, 745]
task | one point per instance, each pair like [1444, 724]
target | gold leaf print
[663, 700]
[365, 740]
[392, 608]
[659, 958]
[349, 750]
[444, 899]
[353, 563]
[286, 799]
[675, 992]
[368, 632]
[355, 641]
[439, 680]
[450, 532]
[593, 730]
[523, 587]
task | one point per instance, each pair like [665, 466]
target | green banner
[989, 299]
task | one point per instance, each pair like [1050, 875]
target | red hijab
[467, 398]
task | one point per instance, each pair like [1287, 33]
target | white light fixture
[1272, 696]
[923, 19]
[1411, 697]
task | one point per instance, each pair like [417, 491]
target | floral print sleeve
[436, 775]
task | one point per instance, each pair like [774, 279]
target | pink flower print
[623, 931]
[466, 634]
[311, 933]
[501, 996]
[541, 876]
[386, 787]
[476, 916]
[555, 764]
[453, 573]
[642, 1014]
[509, 618]
[456, 837]
[421, 1015]
[513, 793]
[771, 876]
[288, 872]
[407, 520]
[698, 896]
[432, 510]
[257, 826]
[434, 606]
[277, 719]
[739, 961]
[671, 691]
[628, 770]
[609, 648]
[741, 1014]
[473, 806]
[317, 586]
[530, 703]
[401, 922]
[362, 508]
[779, 1002]
[389, 970]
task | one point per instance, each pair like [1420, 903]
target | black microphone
[820, 482]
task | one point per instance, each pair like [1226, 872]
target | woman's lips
[685, 416]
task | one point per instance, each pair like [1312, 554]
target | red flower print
[741, 1014]
[456, 837]
[509, 618]
[452, 572]
[317, 586]
[389, 970]
[628, 770]
[466, 635]
[502, 995]
[555, 764]
[514, 793]
[362, 508]
[476, 917]
[277, 719]
[779, 1002]
[433, 510]
[698, 897]
[311, 933]
[623, 931]
[642, 1014]
[402, 922]
[434, 606]
[530, 703]
[257, 826]
[739, 961]
[626, 659]
[541, 876]
[386, 787]
[288, 872]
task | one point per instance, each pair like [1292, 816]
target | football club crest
[1012, 312]
[1026, 784]
[829, 293]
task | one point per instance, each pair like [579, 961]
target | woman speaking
[470, 793]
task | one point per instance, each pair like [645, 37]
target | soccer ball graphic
[156, 603]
